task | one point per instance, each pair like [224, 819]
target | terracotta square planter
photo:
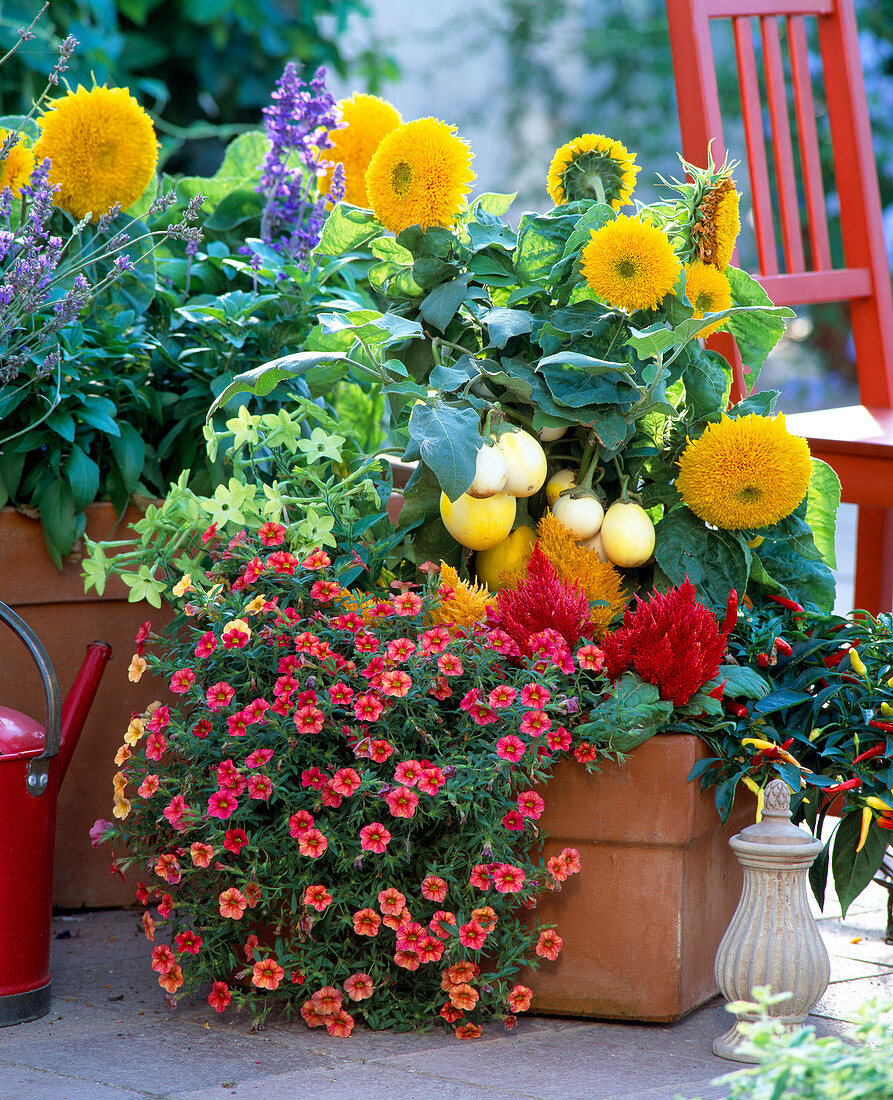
[659, 884]
[53, 603]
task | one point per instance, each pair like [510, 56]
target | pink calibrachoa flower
[182, 680]
[312, 777]
[219, 695]
[176, 810]
[557, 868]
[513, 821]
[345, 782]
[535, 722]
[440, 688]
[201, 854]
[431, 780]
[309, 720]
[236, 634]
[207, 643]
[508, 879]
[188, 941]
[380, 750]
[340, 1024]
[407, 772]
[165, 906]
[340, 694]
[255, 714]
[558, 739]
[142, 635]
[468, 1031]
[402, 802]
[549, 944]
[571, 857]
[435, 640]
[209, 534]
[366, 642]
[267, 974]
[248, 947]
[163, 958]
[156, 743]
[401, 649]
[359, 986]
[430, 949]
[325, 591]
[271, 533]
[440, 922]
[486, 917]
[253, 894]
[409, 960]
[530, 805]
[519, 998]
[258, 758]
[586, 753]
[591, 658]
[171, 980]
[510, 748]
[312, 843]
[434, 888]
[502, 696]
[367, 707]
[235, 840]
[168, 868]
[464, 996]
[366, 922]
[318, 897]
[220, 996]
[329, 797]
[222, 804]
[299, 823]
[237, 724]
[319, 559]
[260, 787]
[409, 935]
[391, 902]
[397, 922]
[481, 876]
[450, 664]
[281, 561]
[201, 729]
[149, 786]
[233, 903]
[395, 683]
[535, 695]
[407, 603]
[148, 927]
[472, 935]
[229, 778]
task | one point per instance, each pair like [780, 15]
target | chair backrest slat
[728, 9]
[842, 285]
[752, 113]
[782, 148]
[804, 107]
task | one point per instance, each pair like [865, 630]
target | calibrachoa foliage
[336, 808]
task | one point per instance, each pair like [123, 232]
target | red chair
[857, 441]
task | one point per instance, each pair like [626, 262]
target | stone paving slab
[110, 1035]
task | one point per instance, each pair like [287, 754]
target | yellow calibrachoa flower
[366, 120]
[135, 732]
[256, 605]
[102, 147]
[420, 175]
[122, 755]
[630, 264]
[708, 290]
[16, 168]
[744, 474]
[121, 807]
[119, 783]
[136, 668]
[466, 605]
[592, 166]
[580, 565]
[717, 224]
[184, 585]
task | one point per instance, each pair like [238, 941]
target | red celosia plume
[541, 601]
[670, 640]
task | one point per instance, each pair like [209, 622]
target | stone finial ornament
[773, 939]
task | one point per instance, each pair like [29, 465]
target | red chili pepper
[887, 727]
[783, 647]
[885, 822]
[734, 707]
[847, 785]
[791, 605]
[731, 612]
[763, 660]
[834, 659]
[870, 754]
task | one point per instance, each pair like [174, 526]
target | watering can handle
[38, 774]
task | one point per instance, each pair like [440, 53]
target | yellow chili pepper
[858, 664]
[814, 733]
[886, 710]
[878, 804]
[758, 791]
[758, 743]
[863, 832]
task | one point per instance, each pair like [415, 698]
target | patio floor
[110, 1035]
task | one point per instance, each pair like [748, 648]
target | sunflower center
[401, 177]
[750, 493]
[703, 303]
[626, 269]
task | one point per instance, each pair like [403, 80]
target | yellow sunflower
[717, 224]
[708, 290]
[466, 605]
[744, 474]
[102, 147]
[366, 120]
[16, 168]
[580, 565]
[592, 166]
[630, 264]
[420, 175]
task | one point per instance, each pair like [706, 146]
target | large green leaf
[756, 334]
[448, 439]
[822, 502]
[801, 579]
[440, 304]
[714, 561]
[129, 450]
[706, 380]
[346, 228]
[502, 324]
[83, 477]
[742, 682]
[58, 517]
[854, 870]
[541, 242]
[265, 378]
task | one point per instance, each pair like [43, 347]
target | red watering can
[33, 762]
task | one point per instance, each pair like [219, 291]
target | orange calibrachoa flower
[267, 974]
[232, 903]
